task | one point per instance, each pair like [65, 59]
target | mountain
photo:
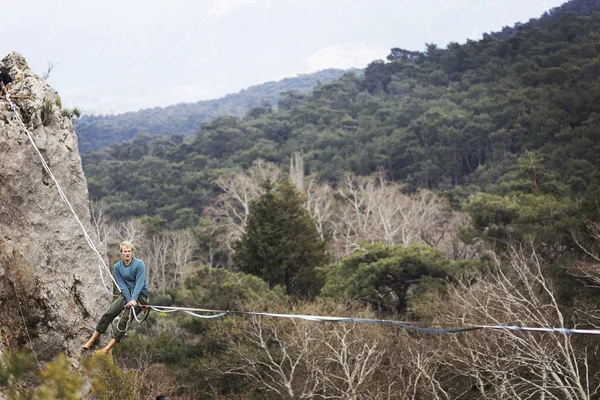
[438, 119]
[96, 132]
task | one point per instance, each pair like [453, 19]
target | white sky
[113, 56]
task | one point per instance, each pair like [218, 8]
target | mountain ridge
[98, 131]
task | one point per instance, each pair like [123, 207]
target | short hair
[126, 245]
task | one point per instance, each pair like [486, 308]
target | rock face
[50, 292]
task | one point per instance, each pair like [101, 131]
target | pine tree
[281, 244]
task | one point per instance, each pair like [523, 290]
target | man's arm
[121, 283]
[140, 280]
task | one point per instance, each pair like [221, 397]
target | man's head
[126, 248]
[160, 397]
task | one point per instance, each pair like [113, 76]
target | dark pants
[118, 307]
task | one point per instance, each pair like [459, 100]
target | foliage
[281, 243]
[14, 370]
[47, 114]
[109, 381]
[388, 276]
[531, 206]
[225, 290]
[58, 382]
[72, 113]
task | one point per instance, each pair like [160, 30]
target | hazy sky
[115, 56]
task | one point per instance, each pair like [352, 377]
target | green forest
[446, 188]
[455, 120]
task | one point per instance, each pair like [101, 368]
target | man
[130, 274]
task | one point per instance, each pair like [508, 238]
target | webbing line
[402, 324]
[14, 108]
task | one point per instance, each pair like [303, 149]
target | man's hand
[131, 303]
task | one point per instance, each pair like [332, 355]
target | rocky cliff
[50, 291]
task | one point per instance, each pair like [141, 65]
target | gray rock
[50, 293]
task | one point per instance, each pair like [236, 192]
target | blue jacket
[131, 278]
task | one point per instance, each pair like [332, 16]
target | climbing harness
[145, 310]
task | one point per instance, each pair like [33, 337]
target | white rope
[14, 107]
[403, 324]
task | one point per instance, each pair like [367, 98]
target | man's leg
[118, 331]
[115, 308]
[123, 325]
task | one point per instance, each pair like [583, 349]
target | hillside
[437, 119]
[98, 131]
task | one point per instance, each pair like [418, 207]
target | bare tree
[239, 190]
[356, 223]
[230, 210]
[215, 244]
[350, 361]
[160, 251]
[589, 268]
[154, 251]
[429, 218]
[423, 217]
[262, 171]
[448, 239]
[368, 209]
[182, 246]
[320, 203]
[277, 357]
[297, 171]
[308, 359]
[49, 69]
[512, 364]
[375, 210]
[132, 230]
[104, 228]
